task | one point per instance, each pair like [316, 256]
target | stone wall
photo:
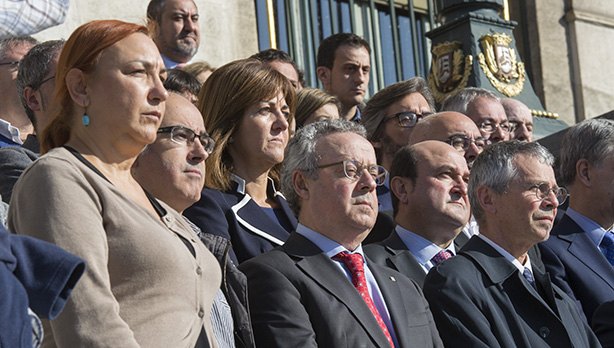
[227, 27]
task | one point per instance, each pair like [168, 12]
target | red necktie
[354, 263]
[442, 255]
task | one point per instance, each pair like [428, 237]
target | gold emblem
[498, 62]
[447, 75]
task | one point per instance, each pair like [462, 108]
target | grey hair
[375, 110]
[592, 140]
[33, 68]
[12, 42]
[495, 168]
[301, 153]
[458, 102]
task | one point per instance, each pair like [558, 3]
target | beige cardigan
[142, 286]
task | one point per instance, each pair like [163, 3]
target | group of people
[150, 209]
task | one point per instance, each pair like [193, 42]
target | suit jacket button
[544, 332]
[201, 313]
[199, 271]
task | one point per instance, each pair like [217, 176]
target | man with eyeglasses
[14, 124]
[520, 119]
[35, 86]
[431, 207]
[172, 169]
[318, 289]
[489, 294]
[484, 108]
[580, 251]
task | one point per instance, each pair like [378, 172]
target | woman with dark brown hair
[247, 107]
[149, 282]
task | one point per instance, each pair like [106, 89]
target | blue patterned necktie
[529, 276]
[608, 246]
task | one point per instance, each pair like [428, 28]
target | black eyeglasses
[462, 142]
[488, 127]
[407, 119]
[353, 170]
[543, 189]
[43, 82]
[16, 63]
[185, 136]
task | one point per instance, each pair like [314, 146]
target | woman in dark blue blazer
[247, 107]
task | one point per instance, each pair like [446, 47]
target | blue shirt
[422, 248]
[332, 248]
[593, 230]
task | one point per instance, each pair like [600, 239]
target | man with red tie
[318, 289]
[431, 207]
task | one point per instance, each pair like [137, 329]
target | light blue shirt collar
[508, 256]
[422, 248]
[171, 64]
[10, 131]
[592, 229]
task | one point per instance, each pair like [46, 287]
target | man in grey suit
[489, 295]
[35, 85]
[580, 251]
[318, 290]
[431, 207]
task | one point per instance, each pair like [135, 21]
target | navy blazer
[578, 267]
[298, 297]
[480, 299]
[236, 217]
[393, 253]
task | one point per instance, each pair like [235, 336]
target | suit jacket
[603, 324]
[578, 267]
[300, 298]
[236, 217]
[393, 253]
[479, 298]
[13, 161]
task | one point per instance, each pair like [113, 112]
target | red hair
[81, 51]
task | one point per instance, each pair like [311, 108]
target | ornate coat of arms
[450, 70]
[498, 62]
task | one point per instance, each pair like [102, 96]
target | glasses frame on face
[206, 141]
[488, 127]
[379, 178]
[407, 119]
[37, 86]
[15, 62]
[466, 142]
[543, 189]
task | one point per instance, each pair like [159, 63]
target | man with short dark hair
[14, 123]
[35, 85]
[489, 294]
[318, 290]
[580, 252]
[484, 108]
[520, 118]
[175, 30]
[431, 207]
[343, 66]
[282, 62]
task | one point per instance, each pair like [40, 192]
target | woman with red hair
[149, 282]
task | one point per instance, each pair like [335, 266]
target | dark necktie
[608, 245]
[354, 263]
[442, 255]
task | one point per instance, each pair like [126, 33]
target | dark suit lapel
[255, 220]
[583, 248]
[324, 272]
[403, 260]
[460, 241]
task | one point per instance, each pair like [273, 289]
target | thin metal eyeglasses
[462, 142]
[185, 136]
[407, 119]
[43, 82]
[543, 189]
[491, 127]
[16, 62]
[353, 170]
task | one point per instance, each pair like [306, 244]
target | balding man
[484, 108]
[431, 207]
[520, 118]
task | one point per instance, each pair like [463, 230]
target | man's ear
[324, 76]
[33, 99]
[77, 87]
[401, 187]
[487, 199]
[302, 184]
[583, 172]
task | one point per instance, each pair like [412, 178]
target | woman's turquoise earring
[85, 120]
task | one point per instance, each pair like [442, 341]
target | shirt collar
[507, 255]
[422, 248]
[327, 245]
[10, 131]
[592, 229]
[171, 64]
